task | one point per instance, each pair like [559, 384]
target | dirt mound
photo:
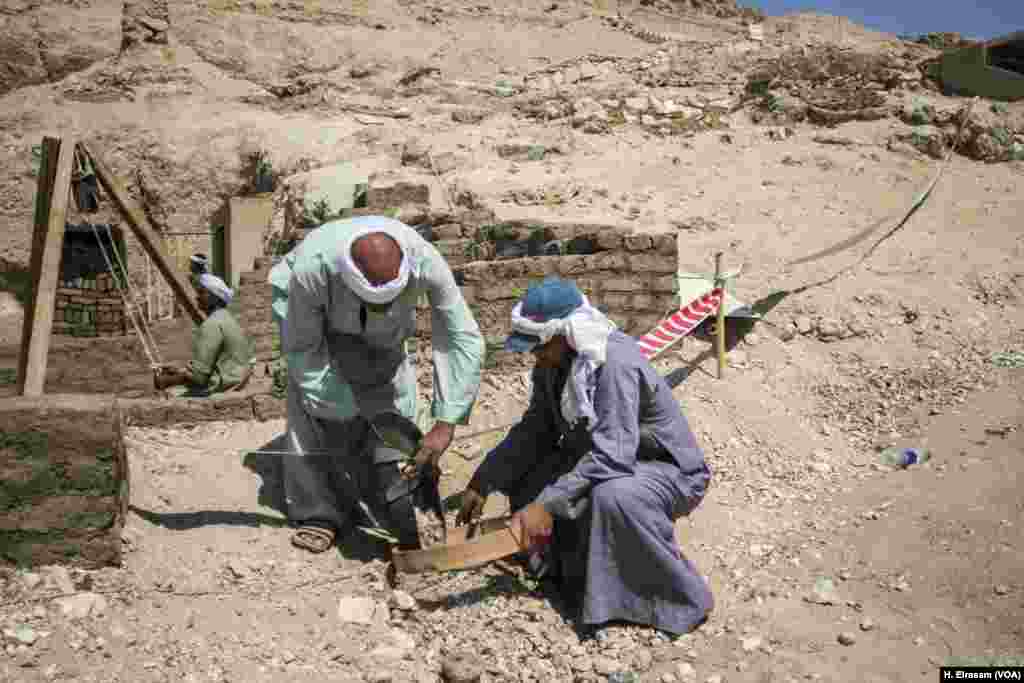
[42, 42]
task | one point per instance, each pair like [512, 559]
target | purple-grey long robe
[615, 507]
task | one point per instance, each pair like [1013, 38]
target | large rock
[261, 48]
[145, 21]
[22, 63]
[41, 42]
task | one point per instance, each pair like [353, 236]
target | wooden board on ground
[63, 481]
[472, 546]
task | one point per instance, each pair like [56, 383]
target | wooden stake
[52, 193]
[720, 321]
[147, 236]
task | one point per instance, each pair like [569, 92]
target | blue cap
[551, 299]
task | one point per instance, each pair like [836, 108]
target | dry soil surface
[826, 565]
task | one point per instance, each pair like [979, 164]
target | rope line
[134, 292]
[129, 307]
[917, 204]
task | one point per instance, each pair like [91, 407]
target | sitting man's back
[221, 351]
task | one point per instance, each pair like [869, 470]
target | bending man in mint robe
[345, 300]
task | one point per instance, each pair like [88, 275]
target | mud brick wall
[252, 308]
[89, 308]
[630, 277]
[63, 481]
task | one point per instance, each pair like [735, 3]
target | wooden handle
[467, 546]
[720, 320]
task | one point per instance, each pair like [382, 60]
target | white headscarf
[354, 278]
[587, 331]
[214, 285]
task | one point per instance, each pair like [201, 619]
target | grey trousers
[338, 471]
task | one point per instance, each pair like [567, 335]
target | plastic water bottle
[905, 457]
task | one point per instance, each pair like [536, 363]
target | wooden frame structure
[53, 191]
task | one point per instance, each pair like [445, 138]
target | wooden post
[52, 192]
[146, 235]
[720, 321]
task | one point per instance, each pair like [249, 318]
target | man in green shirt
[221, 353]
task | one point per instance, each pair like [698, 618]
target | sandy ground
[920, 566]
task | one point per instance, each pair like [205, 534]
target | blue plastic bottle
[905, 457]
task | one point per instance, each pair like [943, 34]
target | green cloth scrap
[1008, 359]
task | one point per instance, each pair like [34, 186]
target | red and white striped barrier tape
[679, 324]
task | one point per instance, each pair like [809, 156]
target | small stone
[824, 592]
[636, 105]
[582, 664]
[1002, 589]
[669, 678]
[153, 24]
[919, 641]
[804, 325]
[82, 605]
[402, 640]
[605, 666]
[469, 115]
[402, 600]
[867, 624]
[714, 678]
[685, 672]
[642, 659]
[830, 328]
[237, 570]
[26, 635]
[30, 580]
[461, 669]
[415, 153]
[846, 638]
[387, 655]
[623, 677]
[355, 610]
[751, 644]
[60, 578]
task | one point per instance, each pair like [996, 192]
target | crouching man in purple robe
[598, 470]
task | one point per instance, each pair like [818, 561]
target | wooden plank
[47, 171]
[48, 241]
[146, 234]
[480, 543]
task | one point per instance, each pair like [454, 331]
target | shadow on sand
[266, 463]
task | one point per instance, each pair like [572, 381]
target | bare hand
[532, 526]
[472, 506]
[432, 447]
[165, 376]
